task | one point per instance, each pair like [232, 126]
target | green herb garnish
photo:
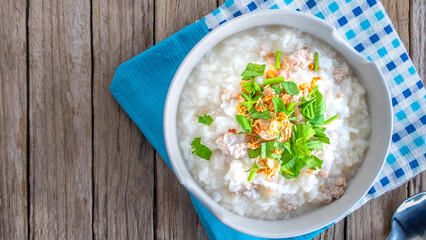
[314, 108]
[253, 172]
[247, 97]
[320, 107]
[244, 123]
[308, 110]
[314, 144]
[253, 70]
[253, 153]
[206, 119]
[316, 62]
[290, 108]
[331, 119]
[279, 105]
[298, 151]
[274, 80]
[277, 88]
[295, 153]
[317, 120]
[263, 151]
[290, 87]
[278, 60]
[200, 150]
[249, 104]
[260, 115]
[252, 87]
[313, 162]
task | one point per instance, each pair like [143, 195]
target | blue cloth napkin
[140, 85]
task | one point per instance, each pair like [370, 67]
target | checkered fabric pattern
[366, 26]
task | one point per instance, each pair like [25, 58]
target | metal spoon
[409, 219]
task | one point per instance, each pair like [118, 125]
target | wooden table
[73, 165]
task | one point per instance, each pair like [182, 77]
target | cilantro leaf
[253, 153]
[287, 146]
[244, 123]
[303, 131]
[253, 70]
[279, 105]
[251, 87]
[320, 107]
[313, 163]
[200, 150]
[206, 119]
[291, 169]
[249, 104]
[247, 97]
[270, 149]
[317, 119]
[322, 137]
[256, 97]
[319, 129]
[290, 87]
[286, 156]
[277, 89]
[314, 144]
[290, 107]
[292, 119]
[260, 115]
[300, 148]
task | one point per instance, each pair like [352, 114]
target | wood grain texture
[80, 168]
[123, 158]
[60, 120]
[176, 217]
[335, 232]
[372, 221]
[399, 13]
[418, 36]
[374, 217]
[13, 121]
[418, 56]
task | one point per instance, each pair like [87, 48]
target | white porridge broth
[272, 123]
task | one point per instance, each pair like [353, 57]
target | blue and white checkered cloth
[366, 26]
[363, 23]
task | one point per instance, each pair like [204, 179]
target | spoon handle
[397, 232]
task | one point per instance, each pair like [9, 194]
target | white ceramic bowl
[378, 101]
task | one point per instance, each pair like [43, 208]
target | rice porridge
[273, 123]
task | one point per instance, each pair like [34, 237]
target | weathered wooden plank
[417, 36]
[418, 55]
[123, 158]
[175, 216]
[399, 13]
[60, 120]
[417, 184]
[13, 121]
[372, 221]
[335, 232]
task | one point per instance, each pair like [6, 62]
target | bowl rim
[171, 106]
